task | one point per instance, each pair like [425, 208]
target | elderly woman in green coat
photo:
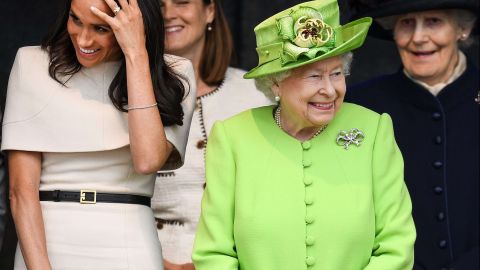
[312, 183]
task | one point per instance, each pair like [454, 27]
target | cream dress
[85, 145]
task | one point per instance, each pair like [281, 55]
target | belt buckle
[85, 200]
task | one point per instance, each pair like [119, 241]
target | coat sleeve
[394, 227]
[214, 247]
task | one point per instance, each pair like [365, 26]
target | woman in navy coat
[433, 100]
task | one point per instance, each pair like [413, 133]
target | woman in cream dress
[82, 169]
[197, 30]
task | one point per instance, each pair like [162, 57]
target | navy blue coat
[438, 137]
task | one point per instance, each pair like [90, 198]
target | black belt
[92, 197]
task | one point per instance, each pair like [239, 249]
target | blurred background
[25, 22]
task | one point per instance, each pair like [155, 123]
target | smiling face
[311, 95]
[185, 25]
[427, 43]
[92, 38]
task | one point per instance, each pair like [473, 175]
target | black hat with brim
[384, 8]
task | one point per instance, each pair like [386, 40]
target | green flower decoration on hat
[304, 33]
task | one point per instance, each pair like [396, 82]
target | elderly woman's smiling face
[311, 95]
[427, 43]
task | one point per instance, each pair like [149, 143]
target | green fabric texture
[287, 40]
[274, 203]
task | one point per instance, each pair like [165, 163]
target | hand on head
[126, 24]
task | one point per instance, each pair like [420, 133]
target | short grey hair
[463, 18]
[266, 82]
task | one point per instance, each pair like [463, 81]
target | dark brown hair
[218, 50]
[168, 88]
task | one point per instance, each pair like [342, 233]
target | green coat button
[307, 181]
[307, 163]
[306, 145]
[310, 260]
[309, 219]
[308, 200]
[310, 240]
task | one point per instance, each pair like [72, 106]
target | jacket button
[438, 140]
[306, 145]
[307, 181]
[307, 163]
[201, 144]
[308, 200]
[437, 164]
[438, 190]
[310, 260]
[309, 219]
[436, 116]
[310, 240]
[442, 244]
[440, 216]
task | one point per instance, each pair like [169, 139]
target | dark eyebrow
[72, 13]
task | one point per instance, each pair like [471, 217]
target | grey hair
[266, 82]
[463, 18]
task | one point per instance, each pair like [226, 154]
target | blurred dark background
[25, 22]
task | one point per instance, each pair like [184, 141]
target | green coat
[274, 203]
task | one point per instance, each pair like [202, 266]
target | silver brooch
[354, 136]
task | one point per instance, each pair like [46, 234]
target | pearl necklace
[279, 124]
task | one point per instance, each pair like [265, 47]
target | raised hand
[126, 24]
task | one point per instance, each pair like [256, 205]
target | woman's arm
[394, 228]
[149, 146]
[214, 247]
[24, 173]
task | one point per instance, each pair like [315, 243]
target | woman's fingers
[102, 15]
[127, 25]
[114, 6]
[134, 3]
[124, 4]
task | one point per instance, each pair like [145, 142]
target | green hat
[304, 34]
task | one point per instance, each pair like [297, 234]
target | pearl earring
[209, 27]
[277, 98]
[464, 36]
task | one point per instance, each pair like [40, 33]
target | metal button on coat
[440, 216]
[310, 260]
[442, 244]
[310, 240]
[437, 164]
[306, 145]
[436, 116]
[438, 140]
[438, 190]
